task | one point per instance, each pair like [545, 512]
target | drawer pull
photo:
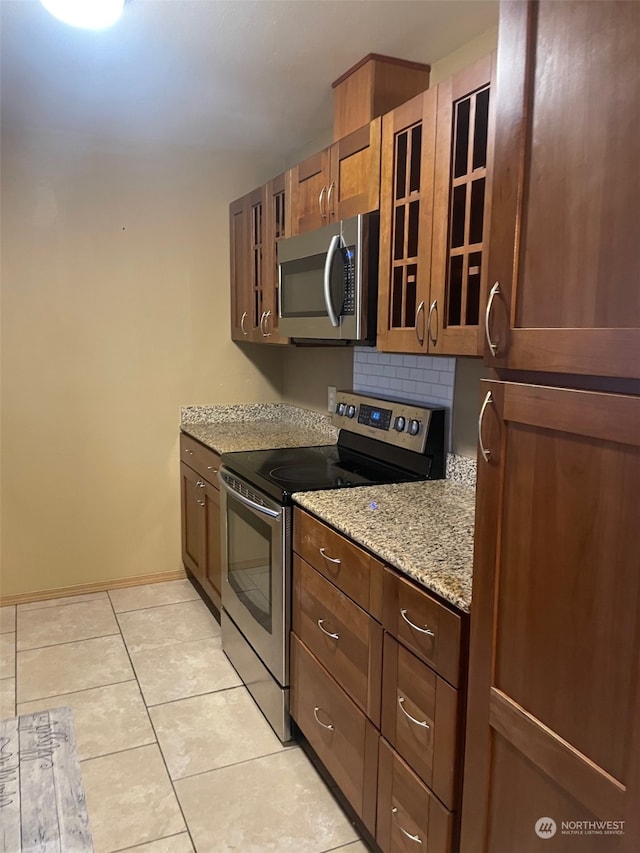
[328, 633]
[416, 838]
[212, 468]
[427, 631]
[319, 721]
[201, 484]
[201, 503]
[329, 559]
[190, 452]
[423, 723]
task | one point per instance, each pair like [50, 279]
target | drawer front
[409, 817]
[345, 639]
[203, 460]
[424, 625]
[357, 573]
[420, 719]
[338, 731]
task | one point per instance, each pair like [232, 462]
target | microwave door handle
[333, 246]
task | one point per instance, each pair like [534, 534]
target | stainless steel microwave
[328, 282]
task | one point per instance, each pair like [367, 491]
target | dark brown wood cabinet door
[355, 173]
[406, 210]
[256, 228]
[409, 817]
[344, 739]
[277, 225]
[565, 230]
[239, 268]
[461, 211]
[191, 503]
[212, 545]
[553, 728]
[310, 182]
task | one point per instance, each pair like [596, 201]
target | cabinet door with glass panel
[246, 216]
[406, 209]
[461, 211]
[277, 225]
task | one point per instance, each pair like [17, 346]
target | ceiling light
[89, 14]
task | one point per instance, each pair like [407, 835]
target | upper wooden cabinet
[434, 211]
[257, 221]
[406, 210]
[338, 182]
[461, 211]
[565, 230]
[553, 720]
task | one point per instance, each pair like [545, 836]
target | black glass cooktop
[283, 471]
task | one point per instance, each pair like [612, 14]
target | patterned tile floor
[175, 756]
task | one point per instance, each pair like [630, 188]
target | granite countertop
[423, 529]
[256, 427]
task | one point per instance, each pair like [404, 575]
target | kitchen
[90, 443]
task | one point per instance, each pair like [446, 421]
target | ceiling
[221, 74]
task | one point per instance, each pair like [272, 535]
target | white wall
[115, 306]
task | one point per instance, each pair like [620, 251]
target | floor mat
[42, 802]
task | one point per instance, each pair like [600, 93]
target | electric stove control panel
[392, 421]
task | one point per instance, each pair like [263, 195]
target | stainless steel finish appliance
[380, 441]
[328, 282]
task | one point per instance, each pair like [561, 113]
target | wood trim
[600, 352]
[84, 588]
[609, 417]
[591, 785]
[379, 57]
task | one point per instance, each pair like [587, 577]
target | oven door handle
[264, 510]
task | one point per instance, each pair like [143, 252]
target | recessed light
[88, 14]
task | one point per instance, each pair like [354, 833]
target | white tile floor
[175, 756]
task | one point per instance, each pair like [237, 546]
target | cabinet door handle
[423, 723]
[425, 630]
[319, 721]
[416, 838]
[433, 310]
[419, 309]
[493, 348]
[329, 194]
[201, 503]
[328, 633]
[262, 317]
[486, 453]
[211, 468]
[242, 319]
[320, 197]
[266, 334]
[329, 559]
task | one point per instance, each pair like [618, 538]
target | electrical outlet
[331, 398]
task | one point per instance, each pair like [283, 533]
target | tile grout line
[145, 843]
[155, 734]
[64, 643]
[71, 692]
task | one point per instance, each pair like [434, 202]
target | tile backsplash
[419, 378]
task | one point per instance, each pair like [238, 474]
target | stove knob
[399, 424]
[414, 427]
[340, 408]
[351, 411]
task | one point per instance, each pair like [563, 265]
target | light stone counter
[256, 426]
[423, 529]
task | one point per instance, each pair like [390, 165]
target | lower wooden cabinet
[420, 718]
[200, 513]
[342, 736]
[409, 818]
[373, 699]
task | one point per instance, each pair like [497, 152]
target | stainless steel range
[380, 441]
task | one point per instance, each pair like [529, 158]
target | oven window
[302, 287]
[249, 558]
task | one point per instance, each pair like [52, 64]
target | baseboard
[84, 588]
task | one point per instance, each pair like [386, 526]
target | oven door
[255, 570]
